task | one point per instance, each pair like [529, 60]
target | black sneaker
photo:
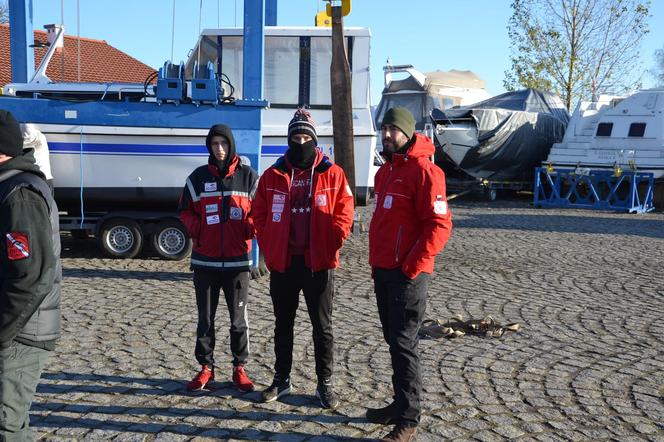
[278, 389]
[386, 415]
[325, 394]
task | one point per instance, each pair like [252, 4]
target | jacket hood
[226, 132]
[421, 147]
[24, 163]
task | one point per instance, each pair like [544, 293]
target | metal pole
[21, 38]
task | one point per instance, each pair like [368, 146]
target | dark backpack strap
[12, 180]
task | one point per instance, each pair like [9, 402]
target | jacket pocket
[398, 244]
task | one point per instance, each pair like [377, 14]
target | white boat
[615, 132]
[112, 147]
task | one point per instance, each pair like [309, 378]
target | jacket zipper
[398, 243]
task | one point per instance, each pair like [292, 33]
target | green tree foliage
[576, 48]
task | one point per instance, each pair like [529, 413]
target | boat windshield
[419, 104]
[297, 67]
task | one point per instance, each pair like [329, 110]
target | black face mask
[302, 155]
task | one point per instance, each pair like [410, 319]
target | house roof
[100, 62]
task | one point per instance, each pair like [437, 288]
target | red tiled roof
[100, 62]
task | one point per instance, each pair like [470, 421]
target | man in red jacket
[303, 211]
[410, 225]
[214, 207]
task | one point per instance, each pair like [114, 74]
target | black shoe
[325, 394]
[386, 415]
[278, 389]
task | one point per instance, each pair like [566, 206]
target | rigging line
[200, 38]
[173, 31]
[78, 34]
[217, 13]
[235, 13]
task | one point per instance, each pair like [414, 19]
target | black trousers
[318, 289]
[401, 306]
[208, 284]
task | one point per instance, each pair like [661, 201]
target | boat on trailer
[124, 151]
[503, 138]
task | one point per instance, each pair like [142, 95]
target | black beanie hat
[11, 139]
[224, 131]
[401, 118]
[302, 123]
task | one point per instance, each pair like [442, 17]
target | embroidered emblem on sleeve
[18, 246]
[440, 207]
[236, 213]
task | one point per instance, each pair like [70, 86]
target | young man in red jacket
[303, 211]
[214, 207]
[410, 225]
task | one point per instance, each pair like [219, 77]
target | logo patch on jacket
[321, 200]
[18, 246]
[236, 213]
[210, 187]
[440, 207]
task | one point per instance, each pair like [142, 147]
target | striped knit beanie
[302, 123]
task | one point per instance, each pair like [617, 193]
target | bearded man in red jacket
[410, 225]
[302, 212]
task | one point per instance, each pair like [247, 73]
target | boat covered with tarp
[502, 138]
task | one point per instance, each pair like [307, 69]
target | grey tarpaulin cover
[504, 137]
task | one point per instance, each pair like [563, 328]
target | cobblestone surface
[587, 287]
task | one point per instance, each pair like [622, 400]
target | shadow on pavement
[57, 422]
[126, 274]
[623, 224]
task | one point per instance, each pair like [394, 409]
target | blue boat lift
[618, 190]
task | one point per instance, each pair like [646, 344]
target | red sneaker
[241, 380]
[201, 379]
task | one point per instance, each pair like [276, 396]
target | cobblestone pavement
[587, 287]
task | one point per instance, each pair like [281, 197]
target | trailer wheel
[121, 238]
[170, 240]
[490, 194]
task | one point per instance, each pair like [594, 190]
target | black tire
[362, 196]
[170, 240]
[490, 194]
[120, 238]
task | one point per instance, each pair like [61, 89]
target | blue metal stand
[594, 189]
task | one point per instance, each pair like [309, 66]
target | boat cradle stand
[629, 191]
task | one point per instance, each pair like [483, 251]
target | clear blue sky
[429, 34]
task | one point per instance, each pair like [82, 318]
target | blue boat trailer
[583, 188]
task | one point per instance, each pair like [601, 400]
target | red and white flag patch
[18, 246]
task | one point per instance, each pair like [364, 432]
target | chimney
[53, 33]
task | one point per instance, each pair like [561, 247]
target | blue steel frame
[21, 37]
[599, 190]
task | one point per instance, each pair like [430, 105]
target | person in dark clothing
[410, 226]
[30, 276]
[303, 212]
[214, 207]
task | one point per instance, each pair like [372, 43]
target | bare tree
[4, 12]
[576, 48]
[659, 67]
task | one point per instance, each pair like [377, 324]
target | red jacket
[411, 222]
[215, 211]
[331, 215]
